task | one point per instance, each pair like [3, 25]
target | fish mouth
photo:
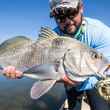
[105, 72]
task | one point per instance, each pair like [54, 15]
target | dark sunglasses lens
[62, 13]
[71, 13]
[60, 18]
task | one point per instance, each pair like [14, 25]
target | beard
[69, 26]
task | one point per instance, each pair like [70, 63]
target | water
[15, 95]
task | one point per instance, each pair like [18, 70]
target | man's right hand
[12, 73]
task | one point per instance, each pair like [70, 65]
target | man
[68, 15]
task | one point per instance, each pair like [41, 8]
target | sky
[26, 17]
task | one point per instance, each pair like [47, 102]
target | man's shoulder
[97, 33]
[92, 19]
[96, 27]
[94, 22]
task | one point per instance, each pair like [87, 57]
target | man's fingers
[19, 74]
[11, 72]
[9, 69]
[12, 76]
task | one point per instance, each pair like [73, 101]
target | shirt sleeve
[88, 84]
[101, 38]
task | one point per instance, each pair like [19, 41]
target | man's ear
[81, 8]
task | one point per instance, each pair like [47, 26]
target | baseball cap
[63, 3]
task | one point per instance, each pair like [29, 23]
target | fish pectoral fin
[43, 71]
[40, 88]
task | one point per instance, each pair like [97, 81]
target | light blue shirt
[95, 34]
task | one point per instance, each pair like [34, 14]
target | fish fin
[47, 33]
[43, 71]
[40, 88]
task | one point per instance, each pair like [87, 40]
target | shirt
[94, 34]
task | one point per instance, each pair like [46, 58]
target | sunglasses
[60, 14]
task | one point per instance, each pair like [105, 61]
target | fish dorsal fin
[47, 33]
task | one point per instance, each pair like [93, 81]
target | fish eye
[94, 54]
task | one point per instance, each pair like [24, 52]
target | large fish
[52, 58]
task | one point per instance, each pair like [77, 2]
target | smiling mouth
[70, 25]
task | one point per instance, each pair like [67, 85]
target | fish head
[85, 62]
[97, 62]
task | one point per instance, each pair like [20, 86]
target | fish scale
[45, 51]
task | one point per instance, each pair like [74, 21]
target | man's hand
[12, 72]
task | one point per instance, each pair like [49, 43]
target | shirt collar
[80, 31]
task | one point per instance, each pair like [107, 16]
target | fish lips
[105, 71]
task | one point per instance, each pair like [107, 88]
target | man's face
[69, 20]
